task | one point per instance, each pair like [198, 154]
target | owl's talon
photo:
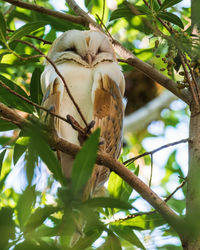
[75, 125]
[90, 126]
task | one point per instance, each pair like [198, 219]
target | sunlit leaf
[26, 29]
[2, 154]
[99, 8]
[142, 221]
[171, 18]
[168, 3]
[118, 188]
[84, 162]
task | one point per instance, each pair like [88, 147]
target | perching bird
[89, 66]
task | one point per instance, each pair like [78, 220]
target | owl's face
[87, 48]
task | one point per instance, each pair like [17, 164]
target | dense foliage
[37, 209]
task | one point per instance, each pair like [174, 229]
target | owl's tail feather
[95, 186]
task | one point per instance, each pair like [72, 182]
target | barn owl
[89, 66]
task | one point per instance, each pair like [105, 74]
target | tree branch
[132, 60]
[106, 160]
[127, 56]
[67, 17]
[156, 150]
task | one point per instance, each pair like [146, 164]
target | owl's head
[87, 48]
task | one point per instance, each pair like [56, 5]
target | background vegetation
[37, 209]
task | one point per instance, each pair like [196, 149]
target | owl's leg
[82, 132]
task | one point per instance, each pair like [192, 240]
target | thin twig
[131, 216]
[170, 196]
[104, 5]
[67, 17]
[151, 174]
[159, 2]
[108, 33]
[60, 75]
[193, 78]
[156, 150]
[30, 102]
[191, 83]
[34, 37]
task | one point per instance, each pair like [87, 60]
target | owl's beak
[88, 58]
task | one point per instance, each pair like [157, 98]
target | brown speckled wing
[108, 116]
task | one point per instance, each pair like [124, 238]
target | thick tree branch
[153, 73]
[105, 159]
[67, 17]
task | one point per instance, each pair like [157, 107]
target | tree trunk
[193, 183]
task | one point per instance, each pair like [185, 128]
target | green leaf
[88, 240]
[24, 205]
[84, 162]
[7, 226]
[35, 86]
[99, 8]
[112, 243]
[118, 188]
[171, 18]
[10, 99]
[121, 11]
[2, 154]
[168, 3]
[2, 29]
[39, 216]
[4, 140]
[127, 234]
[18, 152]
[26, 29]
[142, 221]
[58, 24]
[124, 11]
[107, 202]
[143, 9]
[41, 147]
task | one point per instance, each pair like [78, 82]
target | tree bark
[193, 183]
